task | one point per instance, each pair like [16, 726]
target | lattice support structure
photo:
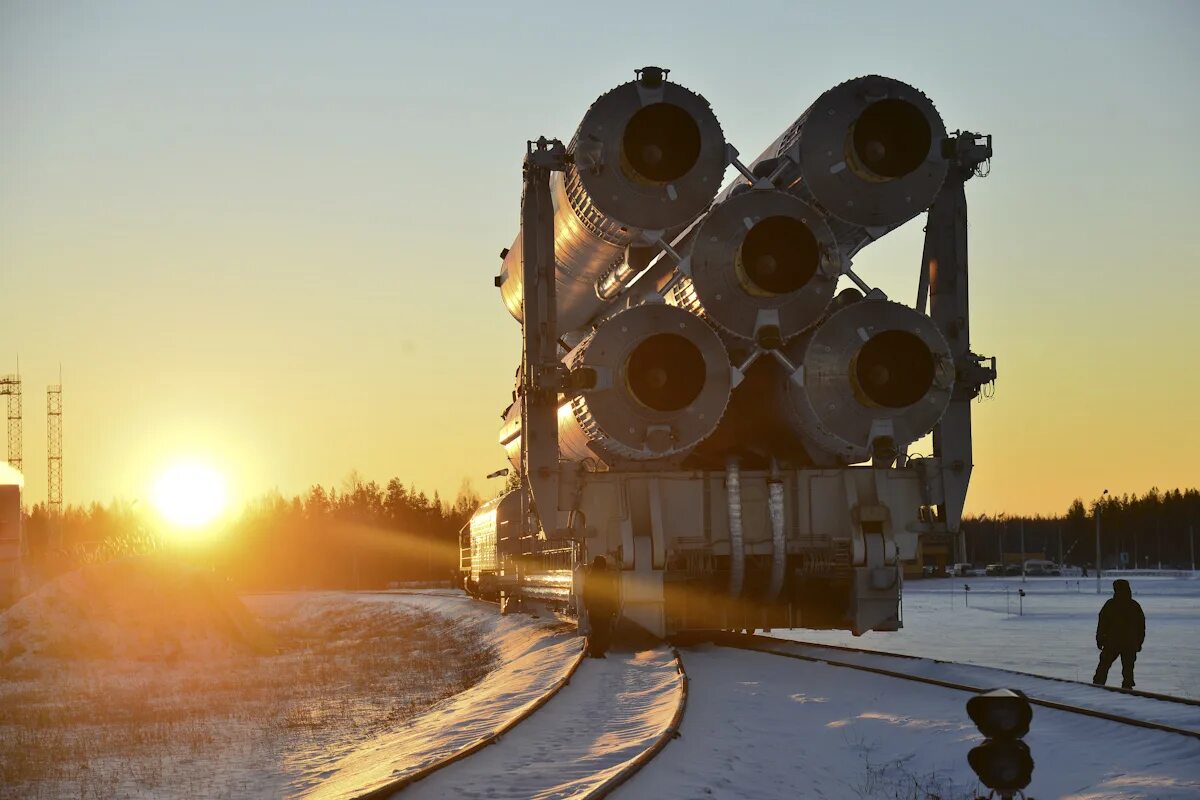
[54, 475]
[10, 385]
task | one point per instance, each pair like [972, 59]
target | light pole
[1022, 524]
[1099, 505]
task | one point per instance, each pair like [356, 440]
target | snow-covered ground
[137, 680]
[1055, 634]
[756, 725]
[765, 727]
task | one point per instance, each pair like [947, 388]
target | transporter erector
[696, 399]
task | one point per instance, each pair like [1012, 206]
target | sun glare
[190, 495]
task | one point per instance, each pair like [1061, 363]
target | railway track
[398, 785]
[1169, 698]
[840, 657]
[616, 691]
[535, 662]
[669, 733]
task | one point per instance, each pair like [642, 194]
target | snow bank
[146, 608]
[534, 656]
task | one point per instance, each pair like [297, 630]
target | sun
[190, 495]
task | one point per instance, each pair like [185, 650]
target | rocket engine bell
[868, 151]
[653, 381]
[648, 157]
[658, 382]
[764, 266]
[872, 378]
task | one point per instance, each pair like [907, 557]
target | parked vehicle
[1041, 567]
[963, 570]
[994, 569]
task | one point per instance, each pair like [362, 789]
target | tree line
[365, 535]
[1136, 531]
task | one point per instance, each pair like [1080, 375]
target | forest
[365, 535]
[1150, 531]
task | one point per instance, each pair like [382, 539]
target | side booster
[871, 379]
[868, 152]
[647, 158]
[653, 381]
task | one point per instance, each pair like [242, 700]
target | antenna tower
[10, 385]
[54, 492]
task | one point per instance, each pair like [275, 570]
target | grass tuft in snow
[232, 723]
[884, 779]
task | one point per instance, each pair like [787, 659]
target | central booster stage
[702, 368]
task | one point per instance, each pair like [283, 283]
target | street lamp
[1022, 550]
[999, 520]
[1099, 506]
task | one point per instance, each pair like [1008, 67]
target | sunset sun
[190, 495]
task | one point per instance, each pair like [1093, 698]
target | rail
[763, 644]
[388, 789]
[1170, 698]
[643, 758]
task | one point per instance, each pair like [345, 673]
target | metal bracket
[868, 292]
[731, 157]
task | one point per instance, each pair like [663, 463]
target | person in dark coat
[1119, 634]
[600, 601]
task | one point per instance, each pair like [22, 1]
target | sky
[264, 235]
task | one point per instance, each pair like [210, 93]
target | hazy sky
[265, 234]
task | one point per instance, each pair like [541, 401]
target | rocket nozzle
[890, 139]
[779, 255]
[661, 143]
[893, 369]
[665, 372]
[877, 376]
[762, 259]
[663, 382]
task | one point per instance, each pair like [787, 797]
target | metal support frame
[54, 474]
[10, 385]
[943, 283]
[542, 372]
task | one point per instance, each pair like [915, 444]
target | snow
[103, 708]
[613, 710]
[533, 657]
[767, 727]
[1056, 634]
[143, 608]
[756, 725]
